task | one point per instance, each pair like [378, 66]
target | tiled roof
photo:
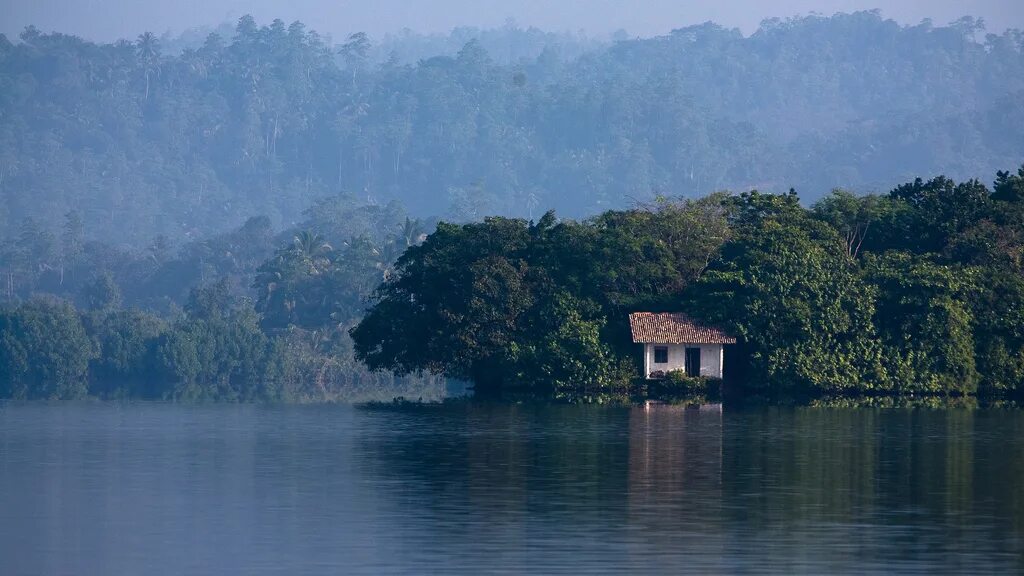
[673, 328]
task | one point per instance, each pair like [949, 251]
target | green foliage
[821, 302]
[322, 279]
[144, 162]
[125, 342]
[1009, 187]
[997, 310]
[639, 258]
[509, 304]
[568, 358]
[901, 402]
[855, 218]
[454, 305]
[102, 293]
[941, 210]
[915, 292]
[44, 351]
[217, 351]
[875, 294]
[924, 323]
[789, 290]
[161, 139]
[211, 302]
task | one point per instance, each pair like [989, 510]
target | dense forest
[212, 216]
[132, 142]
[249, 315]
[919, 291]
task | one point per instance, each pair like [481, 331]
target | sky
[106, 20]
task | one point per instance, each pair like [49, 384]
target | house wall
[710, 359]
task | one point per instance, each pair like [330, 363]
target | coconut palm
[312, 249]
[147, 49]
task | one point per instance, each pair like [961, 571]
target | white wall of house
[710, 359]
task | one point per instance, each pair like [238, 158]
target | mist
[108, 20]
[244, 186]
[576, 286]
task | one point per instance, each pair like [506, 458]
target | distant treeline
[919, 291]
[227, 319]
[159, 275]
[139, 141]
[214, 349]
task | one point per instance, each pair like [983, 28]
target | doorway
[693, 362]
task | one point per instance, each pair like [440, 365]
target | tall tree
[147, 49]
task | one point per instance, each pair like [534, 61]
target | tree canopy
[140, 140]
[855, 295]
[263, 213]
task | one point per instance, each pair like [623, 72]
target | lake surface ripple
[97, 489]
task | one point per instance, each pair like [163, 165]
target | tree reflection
[798, 490]
[874, 483]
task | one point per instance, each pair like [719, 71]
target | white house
[673, 341]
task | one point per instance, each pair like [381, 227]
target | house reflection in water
[675, 482]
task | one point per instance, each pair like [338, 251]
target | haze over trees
[141, 142]
[216, 221]
[229, 319]
[918, 291]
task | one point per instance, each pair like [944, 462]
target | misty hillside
[140, 142]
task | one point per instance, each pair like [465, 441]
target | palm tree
[312, 249]
[147, 48]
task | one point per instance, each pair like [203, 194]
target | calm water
[163, 489]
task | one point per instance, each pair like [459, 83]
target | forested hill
[138, 142]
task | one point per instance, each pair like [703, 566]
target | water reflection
[470, 488]
[878, 489]
[675, 488]
[783, 490]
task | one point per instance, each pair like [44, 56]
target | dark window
[661, 355]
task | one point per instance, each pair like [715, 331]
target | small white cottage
[673, 341]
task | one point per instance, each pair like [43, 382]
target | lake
[471, 488]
